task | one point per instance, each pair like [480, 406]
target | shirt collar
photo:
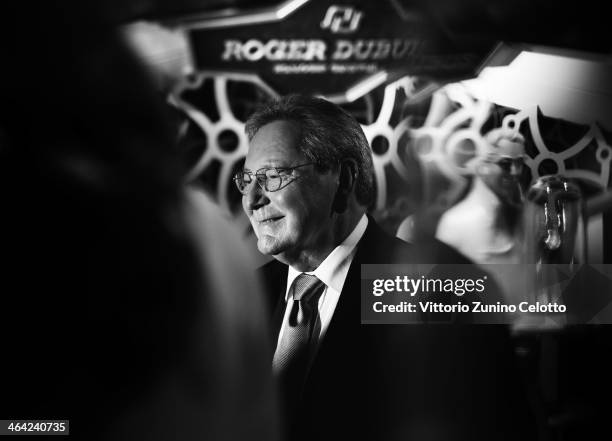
[333, 270]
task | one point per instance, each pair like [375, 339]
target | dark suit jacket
[404, 382]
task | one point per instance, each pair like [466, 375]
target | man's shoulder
[273, 271]
[378, 246]
[272, 265]
[273, 276]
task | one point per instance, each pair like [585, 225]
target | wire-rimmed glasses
[268, 178]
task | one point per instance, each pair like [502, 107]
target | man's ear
[347, 178]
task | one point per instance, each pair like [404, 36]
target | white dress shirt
[332, 272]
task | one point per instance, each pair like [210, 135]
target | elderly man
[307, 182]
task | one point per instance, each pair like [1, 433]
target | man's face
[296, 220]
[502, 171]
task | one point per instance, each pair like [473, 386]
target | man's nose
[255, 197]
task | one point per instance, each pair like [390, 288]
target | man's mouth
[269, 220]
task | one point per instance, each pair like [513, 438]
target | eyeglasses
[269, 179]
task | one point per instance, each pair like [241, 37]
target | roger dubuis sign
[325, 48]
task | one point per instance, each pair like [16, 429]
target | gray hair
[328, 135]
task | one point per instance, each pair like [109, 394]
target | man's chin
[269, 246]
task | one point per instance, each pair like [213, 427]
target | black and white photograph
[291, 220]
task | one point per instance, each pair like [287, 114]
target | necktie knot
[305, 286]
[306, 290]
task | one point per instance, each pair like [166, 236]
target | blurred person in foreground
[116, 315]
[307, 182]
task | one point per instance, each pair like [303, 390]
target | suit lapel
[274, 277]
[344, 332]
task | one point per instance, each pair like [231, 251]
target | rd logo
[341, 19]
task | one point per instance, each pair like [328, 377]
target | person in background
[485, 224]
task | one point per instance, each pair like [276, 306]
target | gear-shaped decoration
[453, 134]
[382, 133]
[216, 107]
[559, 162]
[450, 136]
[221, 142]
[221, 119]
